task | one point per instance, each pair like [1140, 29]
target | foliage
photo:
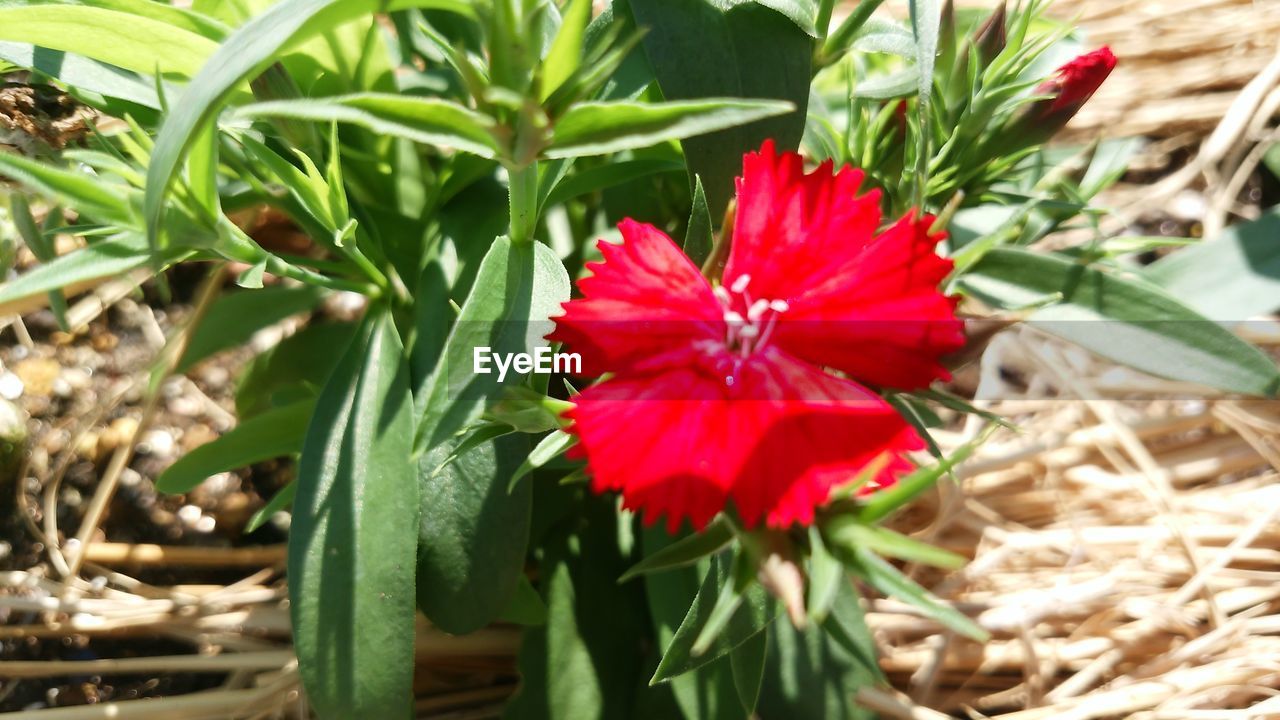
[452, 162]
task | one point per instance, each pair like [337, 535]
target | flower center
[749, 322]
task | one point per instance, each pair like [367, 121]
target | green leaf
[548, 448]
[709, 692]
[686, 551]
[298, 366]
[804, 13]
[74, 272]
[430, 121]
[746, 663]
[607, 175]
[884, 577]
[472, 533]
[86, 193]
[519, 286]
[1126, 320]
[846, 534]
[272, 434]
[885, 36]
[279, 501]
[82, 74]
[566, 50]
[826, 574]
[707, 48]
[352, 542]
[246, 53]
[887, 87]
[526, 606]
[41, 245]
[124, 39]
[885, 502]
[233, 318]
[699, 239]
[814, 673]
[1235, 276]
[599, 128]
[584, 662]
[926, 16]
[753, 612]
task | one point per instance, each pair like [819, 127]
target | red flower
[718, 392]
[1074, 83]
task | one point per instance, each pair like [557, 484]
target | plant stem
[523, 184]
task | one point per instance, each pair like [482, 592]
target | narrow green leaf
[755, 611]
[280, 501]
[526, 606]
[88, 194]
[74, 272]
[708, 48]
[41, 245]
[234, 317]
[885, 36]
[599, 128]
[82, 74]
[608, 175]
[124, 39]
[297, 367]
[885, 502]
[584, 662]
[1235, 276]
[272, 434]
[846, 534]
[548, 448]
[686, 551]
[566, 50]
[926, 16]
[430, 121]
[1126, 320]
[813, 673]
[884, 577]
[518, 287]
[352, 542]
[472, 533]
[886, 87]
[825, 576]
[746, 663]
[699, 239]
[246, 53]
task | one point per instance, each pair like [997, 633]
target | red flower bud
[1057, 100]
[1074, 83]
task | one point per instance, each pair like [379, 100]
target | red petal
[882, 319]
[680, 443]
[644, 299]
[792, 230]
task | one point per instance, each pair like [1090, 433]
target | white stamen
[746, 335]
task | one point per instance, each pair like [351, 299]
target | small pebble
[159, 443]
[11, 386]
[189, 515]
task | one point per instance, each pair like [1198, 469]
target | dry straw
[1125, 553]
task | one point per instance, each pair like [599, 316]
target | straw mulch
[1126, 553]
[1124, 540]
